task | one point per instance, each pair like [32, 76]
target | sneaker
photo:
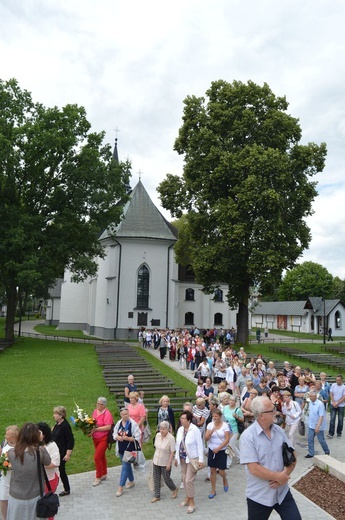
[338, 436]
[181, 485]
[309, 456]
[329, 436]
[96, 482]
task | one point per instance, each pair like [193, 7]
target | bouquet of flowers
[5, 464]
[83, 421]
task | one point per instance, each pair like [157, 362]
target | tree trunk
[242, 324]
[11, 293]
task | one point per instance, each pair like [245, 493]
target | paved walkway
[86, 502]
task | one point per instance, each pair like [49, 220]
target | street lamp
[324, 321]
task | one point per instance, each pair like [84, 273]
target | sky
[131, 64]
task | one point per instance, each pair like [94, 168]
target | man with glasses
[267, 478]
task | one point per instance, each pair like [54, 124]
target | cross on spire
[116, 130]
[140, 174]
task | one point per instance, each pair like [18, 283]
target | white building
[138, 284]
[301, 316]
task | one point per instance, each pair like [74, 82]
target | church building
[138, 283]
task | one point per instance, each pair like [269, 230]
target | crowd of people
[244, 407]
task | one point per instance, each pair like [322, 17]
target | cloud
[132, 63]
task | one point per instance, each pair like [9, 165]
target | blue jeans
[334, 412]
[287, 510]
[126, 472]
[320, 437]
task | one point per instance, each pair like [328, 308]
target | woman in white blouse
[292, 411]
[52, 448]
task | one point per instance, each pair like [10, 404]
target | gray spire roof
[115, 152]
[141, 219]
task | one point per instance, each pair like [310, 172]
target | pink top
[137, 412]
[102, 419]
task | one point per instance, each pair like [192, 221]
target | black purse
[49, 503]
[288, 456]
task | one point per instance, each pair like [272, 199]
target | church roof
[141, 219]
[281, 308]
[297, 308]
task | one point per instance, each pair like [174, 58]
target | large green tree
[246, 188]
[59, 187]
[304, 280]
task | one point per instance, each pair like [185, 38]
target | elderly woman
[25, 485]
[165, 413]
[11, 437]
[137, 411]
[292, 411]
[63, 436]
[218, 437]
[162, 461]
[127, 434]
[130, 387]
[247, 408]
[190, 455]
[277, 400]
[232, 414]
[200, 413]
[99, 433]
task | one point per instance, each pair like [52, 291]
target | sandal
[184, 503]
[191, 509]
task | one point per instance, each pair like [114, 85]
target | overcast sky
[132, 63]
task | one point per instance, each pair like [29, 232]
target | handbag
[195, 464]
[288, 455]
[131, 455]
[197, 374]
[49, 503]
[301, 427]
[147, 433]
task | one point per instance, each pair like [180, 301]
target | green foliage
[338, 290]
[305, 280]
[246, 189]
[59, 187]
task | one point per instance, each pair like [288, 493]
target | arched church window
[337, 319]
[189, 318]
[143, 287]
[218, 295]
[218, 318]
[190, 294]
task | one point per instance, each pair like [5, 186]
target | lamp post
[324, 321]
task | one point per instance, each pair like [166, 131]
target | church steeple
[115, 153]
[116, 159]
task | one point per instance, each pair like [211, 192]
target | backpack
[110, 439]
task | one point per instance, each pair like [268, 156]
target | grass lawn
[41, 374]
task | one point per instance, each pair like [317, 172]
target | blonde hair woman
[11, 437]
[165, 413]
[247, 408]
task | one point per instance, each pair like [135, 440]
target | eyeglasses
[269, 411]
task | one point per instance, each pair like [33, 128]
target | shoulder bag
[49, 503]
[288, 455]
[110, 438]
[131, 455]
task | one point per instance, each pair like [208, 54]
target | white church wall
[204, 308]
[74, 311]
